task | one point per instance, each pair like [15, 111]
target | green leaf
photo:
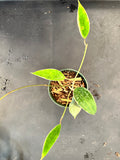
[85, 100]
[50, 74]
[50, 140]
[83, 21]
[74, 109]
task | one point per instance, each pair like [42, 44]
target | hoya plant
[67, 88]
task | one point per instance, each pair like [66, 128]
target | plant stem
[65, 108]
[85, 51]
[86, 46]
[34, 85]
[66, 100]
[77, 79]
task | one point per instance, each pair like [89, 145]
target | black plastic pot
[49, 89]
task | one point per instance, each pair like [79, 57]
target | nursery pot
[68, 71]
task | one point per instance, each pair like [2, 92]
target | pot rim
[67, 69]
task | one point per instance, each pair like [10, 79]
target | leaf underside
[50, 74]
[83, 21]
[74, 109]
[85, 100]
[50, 140]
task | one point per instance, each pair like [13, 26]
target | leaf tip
[31, 72]
[42, 157]
[75, 117]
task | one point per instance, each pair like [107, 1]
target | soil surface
[60, 90]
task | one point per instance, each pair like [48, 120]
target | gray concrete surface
[41, 35]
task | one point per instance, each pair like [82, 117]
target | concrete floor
[38, 35]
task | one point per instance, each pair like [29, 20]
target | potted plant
[67, 88]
